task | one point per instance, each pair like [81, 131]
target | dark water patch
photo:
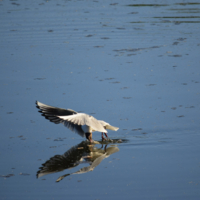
[151, 84]
[98, 46]
[16, 4]
[180, 116]
[185, 4]
[7, 176]
[195, 81]
[147, 5]
[176, 56]
[177, 17]
[24, 174]
[175, 43]
[187, 10]
[50, 31]
[120, 28]
[105, 38]
[181, 39]
[115, 82]
[190, 107]
[136, 129]
[133, 54]
[138, 29]
[109, 78]
[40, 79]
[124, 119]
[9, 113]
[189, 22]
[164, 21]
[127, 97]
[133, 13]
[59, 139]
[88, 35]
[113, 4]
[128, 50]
[184, 83]
[135, 49]
[173, 108]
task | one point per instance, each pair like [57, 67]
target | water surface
[134, 64]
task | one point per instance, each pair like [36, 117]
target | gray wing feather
[74, 127]
[51, 113]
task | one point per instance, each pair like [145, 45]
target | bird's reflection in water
[81, 153]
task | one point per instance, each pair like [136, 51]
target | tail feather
[113, 128]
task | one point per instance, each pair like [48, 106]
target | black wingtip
[36, 102]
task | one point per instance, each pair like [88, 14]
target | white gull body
[81, 123]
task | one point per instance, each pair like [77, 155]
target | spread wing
[51, 113]
[84, 119]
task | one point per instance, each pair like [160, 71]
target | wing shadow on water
[79, 154]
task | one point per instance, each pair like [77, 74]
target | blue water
[134, 64]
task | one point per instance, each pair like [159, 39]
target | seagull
[81, 123]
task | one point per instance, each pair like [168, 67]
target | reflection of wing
[69, 159]
[54, 164]
[84, 119]
[81, 153]
[95, 163]
[111, 150]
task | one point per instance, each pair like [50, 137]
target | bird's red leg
[91, 140]
[106, 135]
[103, 138]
